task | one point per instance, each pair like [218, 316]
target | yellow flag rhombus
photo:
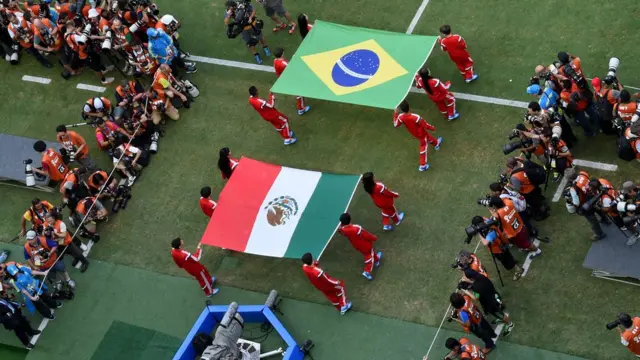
[344, 66]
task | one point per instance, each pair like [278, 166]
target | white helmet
[93, 13]
[167, 19]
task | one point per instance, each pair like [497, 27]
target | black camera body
[623, 319]
[482, 228]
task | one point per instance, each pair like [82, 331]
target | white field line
[417, 16]
[595, 165]
[36, 79]
[498, 331]
[43, 324]
[85, 253]
[561, 186]
[91, 88]
[528, 260]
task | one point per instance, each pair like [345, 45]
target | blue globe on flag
[355, 68]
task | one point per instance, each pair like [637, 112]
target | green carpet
[122, 312]
[8, 352]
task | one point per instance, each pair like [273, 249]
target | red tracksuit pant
[465, 66]
[204, 278]
[370, 258]
[337, 297]
[447, 106]
[300, 103]
[389, 215]
[282, 126]
[424, 146]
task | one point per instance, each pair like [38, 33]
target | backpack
[536, 173]
[624, 150]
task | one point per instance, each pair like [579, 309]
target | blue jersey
[548, 99]
[161, 48]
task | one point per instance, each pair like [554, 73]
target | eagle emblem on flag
[281, 209]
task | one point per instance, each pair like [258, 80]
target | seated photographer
[241, 15]
[627, 110]
[35, 214]
[80, 53]
[557, 153]
[47, 38]
[98, 180]
[127, 94]
[466, 313]
[73, 188]
[498, 244]
[575, 195]
[160, 104]
[605, 196]
[53, 164]
[96, 213]
[97, 108]
[463, 349]
[629, 328]
[512, 225]
[525, 177]
[161, 48]
[75, 147]
[483, 291]
[40, 252]
[66, 244]
[108, 133]
[21, 32]
[577, 102]
[128, 160]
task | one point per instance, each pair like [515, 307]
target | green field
[558, 306]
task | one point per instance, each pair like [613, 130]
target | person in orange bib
[627, 109]
[629, 329]
[74, 144]
[361, 240]
[66, 244]
[35, 214]
[53, 165]
[466, 313]
[463, 349]
[383, 198]
[512, 225]
[22, 31]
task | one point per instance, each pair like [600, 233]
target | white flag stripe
[269, 240]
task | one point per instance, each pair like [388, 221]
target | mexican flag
[278, 211]
[355, 65]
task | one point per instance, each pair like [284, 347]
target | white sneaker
[7, 58]
[71, 283]
[83, 247]
[108, 68]
[131, 180]
[107, 81]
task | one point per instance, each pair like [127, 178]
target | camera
[623, 319]
[68, 155]
[121, 197]
[14, 58]
[30, 180]
[153, 148]
[241, 17]
[511, 147]
[106, 44]
[611, 78]
[484, 201]
[625, 207]
[453, 315]
[474, 229]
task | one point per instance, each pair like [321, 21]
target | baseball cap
[596, 83]
[151, 32]
[533, 89]
[627, 187]
[31, 235]
[93, 13]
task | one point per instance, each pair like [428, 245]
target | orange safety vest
[626, 111]
[57, 168]
[496, 245]
[510, 219]
[105, 102]
[477, 266]
[37, 258]
[81, 208]
[633, 141]
[80, 49]
[56, 39]
[612, 194]
[56, 226]
[632, 336]
[156, 83]
[132, 89]
[469, 351]
[36, 219]
[474, 315]
[23, 33]
[92, 184]
[70, 176]
[525, 184]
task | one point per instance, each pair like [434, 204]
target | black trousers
[45, 304]
[33, 51]
[74, 251]
[20, 326]
[485, 332]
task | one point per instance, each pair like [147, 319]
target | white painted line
[416, 18]
[236, 64]
[627, 86]
[91, 88]
[484, 99]
[561, 186]
[43, 324]
[528, 260]
[498, 330]
[36, 79]
[595, 165]
[85, 253]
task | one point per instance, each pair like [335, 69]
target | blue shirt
[491, 236]
[50, 243]
[548, 98]
[161, 48]
[464, 317]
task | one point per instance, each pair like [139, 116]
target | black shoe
[29, 346]
[59, 304]
[35, 332]
[75, 262]
[47, 65]
[84, 266]
[52, 317]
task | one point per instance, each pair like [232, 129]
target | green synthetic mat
[125, 341]
[8, 352]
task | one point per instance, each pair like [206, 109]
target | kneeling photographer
[604, 198]
[629, 329]
[495, 241]
[526, 177]
[482, 289]
[129, 160]
[557, 154]
[94, 212]
[73, 188]
[469, 264]
[527, 145]
[240, 19]
[575, 195]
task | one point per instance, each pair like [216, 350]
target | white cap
[93, 13]
[31, 235]
[167, 19]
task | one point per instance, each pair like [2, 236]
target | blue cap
[533, 89]
[151, 32]
[12, 269]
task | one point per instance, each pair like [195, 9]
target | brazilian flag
[355, 65]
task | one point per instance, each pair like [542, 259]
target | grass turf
[557, 295]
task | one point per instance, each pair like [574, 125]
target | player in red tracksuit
[206, 204]
[268, 111]
[417, 127]
[438, 92]
[457, 49]
[361, 240]
[383, 198]
[331, 288]
[191, 263]
[279, 64]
